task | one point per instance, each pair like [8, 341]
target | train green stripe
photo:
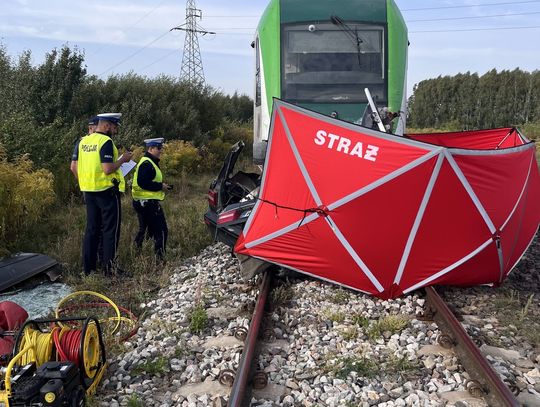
[397, 58]
[269, 40]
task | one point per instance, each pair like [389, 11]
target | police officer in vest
[148, 190]
[96, 164]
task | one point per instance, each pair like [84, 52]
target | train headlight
[311, 28]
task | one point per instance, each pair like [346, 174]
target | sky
[120, 36]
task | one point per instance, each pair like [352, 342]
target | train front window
[325, 63]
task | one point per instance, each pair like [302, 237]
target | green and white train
[322, 54]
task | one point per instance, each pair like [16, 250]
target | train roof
[313, 10]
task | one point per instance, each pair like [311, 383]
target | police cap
[154, 142]
[93, 121]
[114, 118]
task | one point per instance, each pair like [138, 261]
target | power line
[131, 26]
[236, 28]
[411, 32]
[174, 51]
[404, 9]
[135, 53]
[476, 29]
[232, 33]
[473, 17]
[246, 16]
[426, 31]
[418, 21]
[146, 15]
[471, 5]
[421, 20]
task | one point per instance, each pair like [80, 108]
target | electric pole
[192, 67]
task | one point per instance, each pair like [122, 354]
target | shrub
[25, 195]
[222, 139]
[531, 130]
[218, 148]
[234, 132]
[180, 157]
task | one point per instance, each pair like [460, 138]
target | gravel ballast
[324, 345]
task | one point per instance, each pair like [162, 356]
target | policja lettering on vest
[97, 166]
[148, 190]
[89, 149]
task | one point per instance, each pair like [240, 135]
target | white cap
[151, 142]
[112, 117]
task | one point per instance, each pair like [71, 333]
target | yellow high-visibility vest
[138, 193]
[91, 175]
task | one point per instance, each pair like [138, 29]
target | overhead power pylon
[192, 67]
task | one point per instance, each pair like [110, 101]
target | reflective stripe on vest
[91, 175]
[138, 193]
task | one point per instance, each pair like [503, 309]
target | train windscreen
[329, 63]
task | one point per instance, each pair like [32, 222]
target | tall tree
[495, 99]
[55, 84]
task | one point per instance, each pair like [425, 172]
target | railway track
[323, 346]
[241, 392]
[484, 383]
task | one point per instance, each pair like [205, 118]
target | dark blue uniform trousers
[151, 221]
[103, 217]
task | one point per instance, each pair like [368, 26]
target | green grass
[350, 333]
[134, 401]
[359, 324]
[521, 312]
[60, 233]
[91, 401]
[152, 367]
[181, 351]
[60, 236]
[198, 319]
[401, 365]
[390, 323]
[360, 320]
[281, 296]
[340, 297]
[342, 367]
[169, 328]
[531, 130]
[334, 316]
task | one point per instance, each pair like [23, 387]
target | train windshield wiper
[351, 33]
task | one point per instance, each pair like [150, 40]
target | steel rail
[238, 392]
[495, 391]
